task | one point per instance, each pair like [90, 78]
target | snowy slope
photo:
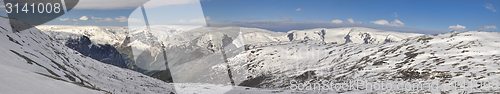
[20, 81]
[33, 51]
[446, 58]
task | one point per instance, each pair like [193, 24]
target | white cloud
[199, 20]
[207, 18]
[193, 21]
[457, 27]
[122, 19]
[488, 27]
[380, 22]
[396, 14]
[337, 21]
[75, 23]
[130, 4]
[134, 20]
[96, 17]
[396, 22]
[107, 19]
[490, 7]
[84, 18]
[75, 20]
[64, 19]
[350, 20]
[298, 9]
[182, 21]
[99, 19]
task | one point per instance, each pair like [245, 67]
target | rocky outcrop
[104, 53]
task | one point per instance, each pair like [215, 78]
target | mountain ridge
[184, 45]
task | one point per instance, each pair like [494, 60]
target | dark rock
[254, 82]
[104, 53]
[163, 75]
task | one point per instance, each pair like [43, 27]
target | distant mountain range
[187, 43]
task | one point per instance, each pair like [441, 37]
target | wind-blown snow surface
[20, 81]
[450, 57]
[33, 51]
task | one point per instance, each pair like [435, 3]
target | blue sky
[421, 16]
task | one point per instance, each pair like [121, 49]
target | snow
[20, 81]
[239, 41]
[328, 53]
[448, 57]
[32, 62]
[209, 39]
[99, 35]
[174, 35]
[350, 34]
[186, 39]
[31, 51]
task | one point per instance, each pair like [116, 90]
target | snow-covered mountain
[98, 35]
[190, 45]
[33, 62]
[201, 46]
[113, 35]
[204, 51]
[333, 35]
[174, 35]
[121, 38]
[447, 58]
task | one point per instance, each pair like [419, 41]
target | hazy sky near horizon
[411, 15]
